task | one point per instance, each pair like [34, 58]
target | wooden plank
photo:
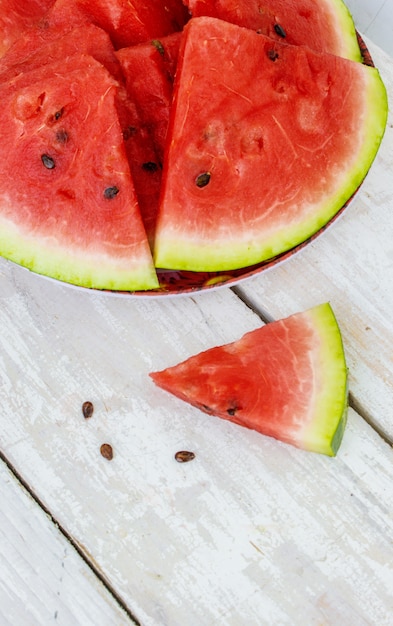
[42, 577]
[251, 532]
[350, 265]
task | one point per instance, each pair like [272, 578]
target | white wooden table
[252, 532]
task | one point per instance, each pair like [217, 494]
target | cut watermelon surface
[324, 26]
[287, 380]
[233, 139]
[268, 160]
[17, 17]
[127, 23]
[68, 208]
[149, 71]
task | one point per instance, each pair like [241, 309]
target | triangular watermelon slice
[287, 379]
[68, 207]
[266, 143]
[325, 25]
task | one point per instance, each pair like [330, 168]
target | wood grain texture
[42, 578]
[252, 532]
[351, 265]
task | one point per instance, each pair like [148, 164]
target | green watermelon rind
[347, 31]
[92, 270]
[175, 251]
[324, 432]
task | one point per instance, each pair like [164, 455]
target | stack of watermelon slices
[198, 135]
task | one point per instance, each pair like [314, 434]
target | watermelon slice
[287, 380]
[68, 207]
[325, 26]
[267, 141]
[157, 60]
[145, 116]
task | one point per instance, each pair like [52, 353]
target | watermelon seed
[203, 179]
[48, 162]
[55, 117]
[272, 54]
[279, 30]
[150, 166]
[111, 192]
[107, 451]
[184, 456]
[87, 409]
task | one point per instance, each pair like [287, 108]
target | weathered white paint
[42, 578]
[252, 532]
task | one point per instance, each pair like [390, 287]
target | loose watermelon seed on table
[287, 380]
[267, 141]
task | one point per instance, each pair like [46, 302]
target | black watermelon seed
[150, 166]
[279, 30]
[111, 192]
[272, 54]
[48, 162]
[203, 179]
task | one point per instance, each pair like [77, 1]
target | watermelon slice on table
[287, 380]
[324, 26]
[267, 142]
[68, 207]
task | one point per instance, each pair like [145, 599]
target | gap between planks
[264, 315]
[89, 562]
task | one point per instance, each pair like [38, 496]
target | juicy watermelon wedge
[266, 143]
[68, 207]
[287, 380]
[324, 26]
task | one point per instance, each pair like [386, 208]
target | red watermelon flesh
[42, 45]
[266, 143]
[143, 160]
[325, 26]
[149, 71]
[17, 17]
[68, 208]
[287, 380]
[127, 23]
